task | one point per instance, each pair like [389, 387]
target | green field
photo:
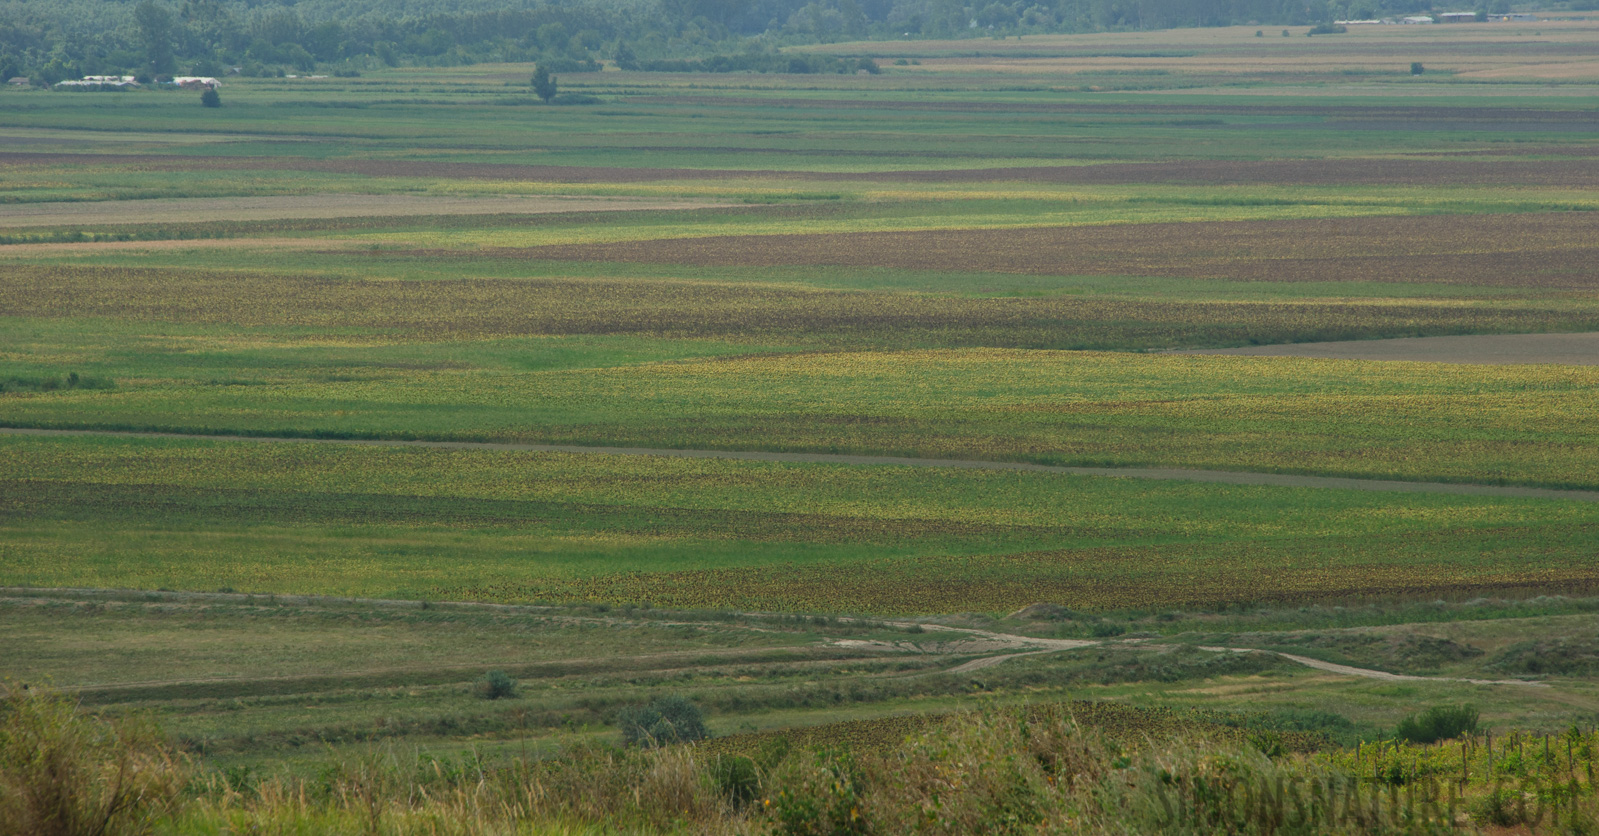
[508, 527]
[986, 257]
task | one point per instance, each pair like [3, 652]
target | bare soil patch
[276, 207]
[1548, 250]
[1490, 349]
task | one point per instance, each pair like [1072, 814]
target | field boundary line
[1226, 477]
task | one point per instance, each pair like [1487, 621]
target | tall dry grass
[64, 773]
[994, 772]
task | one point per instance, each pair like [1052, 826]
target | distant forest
[50, 40]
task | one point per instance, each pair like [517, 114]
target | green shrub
[1441, 722]
[1503, 806]
[64, 773]
[670, 719]
[1106, 629]
[824, 796]
[495, 685]
[210, 98]
[736, 778]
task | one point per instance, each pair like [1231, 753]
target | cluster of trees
[51, 40]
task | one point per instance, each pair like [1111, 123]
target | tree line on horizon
[52, 40]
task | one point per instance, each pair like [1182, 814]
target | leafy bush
[670, 719]
[1106, 629]
[736, 777]
[495, 685]
[1441, 722]
[822, 797]
[1502, 807]
[66, 773]
[210, 98]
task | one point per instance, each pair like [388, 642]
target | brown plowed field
[1571, 173]
[1549, 251]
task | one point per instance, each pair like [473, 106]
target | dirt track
[1031, 646]
[970, 637]
[1177, 474]
[1366, 673]
[1490, 349]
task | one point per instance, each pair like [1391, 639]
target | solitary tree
[543, 83]
[1416, 68]
[210, 98]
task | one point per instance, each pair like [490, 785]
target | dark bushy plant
[670, 719]
[495, 685]
[736, 777]
[544, 84]
[1441, 722]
